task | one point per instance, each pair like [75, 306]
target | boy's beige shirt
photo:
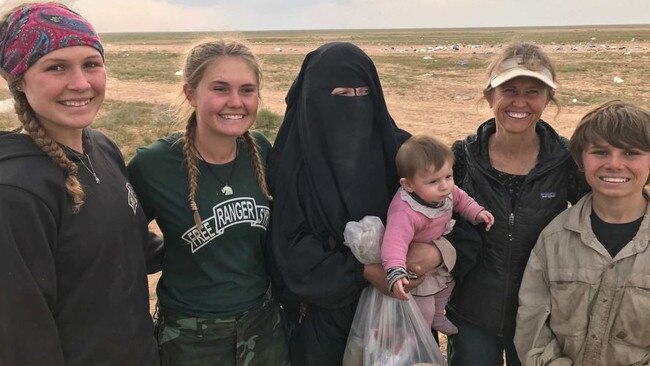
[579, 306]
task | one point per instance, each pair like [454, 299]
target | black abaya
[332, 162]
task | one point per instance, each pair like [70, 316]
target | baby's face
[432, 185]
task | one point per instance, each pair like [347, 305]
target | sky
[243, 15]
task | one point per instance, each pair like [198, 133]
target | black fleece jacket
[491, 264]
[73, 287]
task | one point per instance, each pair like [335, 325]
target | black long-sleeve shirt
[73, 287]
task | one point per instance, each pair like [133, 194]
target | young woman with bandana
[333, 161]
[206, 189]
[73, 285]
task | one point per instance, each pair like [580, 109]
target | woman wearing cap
[73, 285]
[520, 169]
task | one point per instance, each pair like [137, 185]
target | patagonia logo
[548, 195]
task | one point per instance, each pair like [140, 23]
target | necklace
[90, 170]
[226, 189]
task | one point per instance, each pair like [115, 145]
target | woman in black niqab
[332, 162]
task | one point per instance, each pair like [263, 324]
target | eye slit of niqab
[351, 92]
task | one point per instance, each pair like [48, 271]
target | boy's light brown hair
[620, 124]
[421, 153]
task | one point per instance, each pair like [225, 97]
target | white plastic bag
[389, 332]
[385, 331]
[364, 239]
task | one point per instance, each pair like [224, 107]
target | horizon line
[577, 26]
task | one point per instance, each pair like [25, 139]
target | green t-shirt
[219, 271]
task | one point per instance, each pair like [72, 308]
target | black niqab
[332, 162]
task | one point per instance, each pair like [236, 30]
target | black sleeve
[318, 274]
[154, 252]
[28, 282]
[153, 246]
[464, 237]
[458, 149]
[312, 265]
[468, 242]
[136, 176]
[578, 186]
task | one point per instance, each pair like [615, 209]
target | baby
[421, 211]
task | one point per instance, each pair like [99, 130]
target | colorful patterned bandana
[34, 30]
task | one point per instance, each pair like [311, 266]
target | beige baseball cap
[514, 67]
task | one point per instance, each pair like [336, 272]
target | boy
[585, 294]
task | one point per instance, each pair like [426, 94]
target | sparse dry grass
[133, 124]
[160, 66]
[8, 121]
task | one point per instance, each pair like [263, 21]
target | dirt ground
[450, 108]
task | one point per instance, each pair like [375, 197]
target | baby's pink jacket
[406, 224]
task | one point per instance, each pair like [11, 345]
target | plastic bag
[385, 331]
[389, 332]
[364, 239]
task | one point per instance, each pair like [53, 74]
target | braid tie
[258, 166]
[189, 151]
[52, 149]
[195, 215]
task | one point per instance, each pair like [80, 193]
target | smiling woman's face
[518, 104]
[65, 88]
[226, 98]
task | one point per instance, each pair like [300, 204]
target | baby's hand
[398, 291]
[486, 217]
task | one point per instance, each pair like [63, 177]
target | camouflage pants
[255, 338]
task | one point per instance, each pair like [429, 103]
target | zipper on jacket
[539, 170]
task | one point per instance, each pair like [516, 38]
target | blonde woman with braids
[207, 191]
[73, 286]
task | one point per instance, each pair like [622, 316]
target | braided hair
[19, 20]
[196, 62]
[35, 130]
